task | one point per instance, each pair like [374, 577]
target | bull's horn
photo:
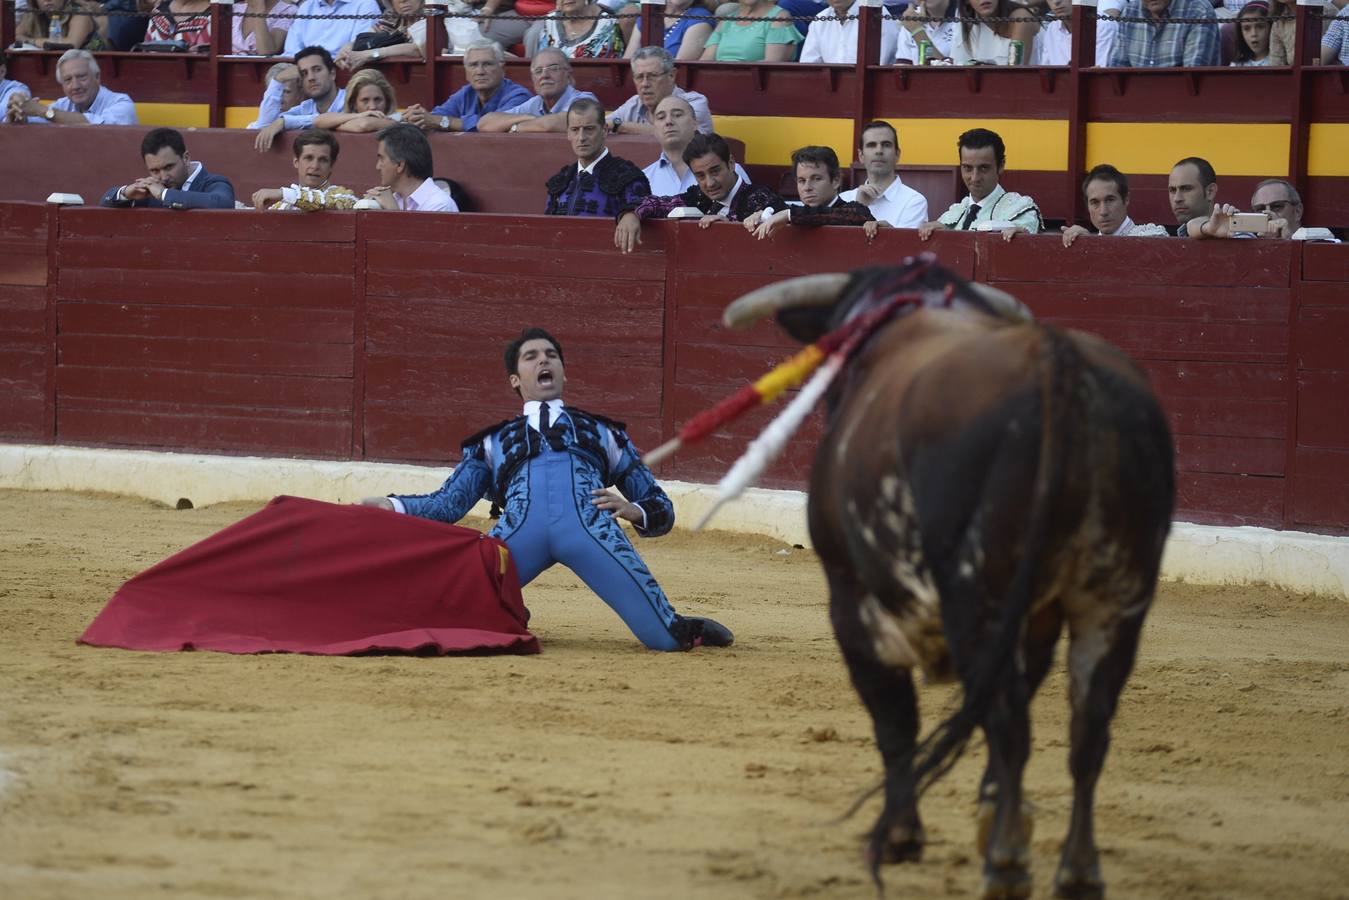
[807, 290]
[1003, 303]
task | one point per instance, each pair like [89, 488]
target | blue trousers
[562, 526]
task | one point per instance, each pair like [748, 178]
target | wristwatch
[617, 122]
[515, 127]
[374, 54]
[50, 114]
[444, 123]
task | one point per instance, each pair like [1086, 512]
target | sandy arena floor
[597, 769]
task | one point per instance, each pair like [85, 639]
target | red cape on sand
[301, 576]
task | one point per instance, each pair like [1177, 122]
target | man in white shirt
[653, 71]
[832, 37]
[1106, 190]
[1054, 43]
[889, 199]
[676, 125]
[339, 23]
[555, 92]
[983, 158]
[403, 161]
[86, 101]
[318, 80]
[9, 89]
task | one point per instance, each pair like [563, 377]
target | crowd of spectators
[964, 32]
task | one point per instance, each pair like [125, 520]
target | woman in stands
[406, 20]
[986, 36]
[687, 28]
[81, 26]
[758, 31]
[1282, 32]
[263, 31]
[579, 29]
[370, 105]
[1252, 46]
[188, 21]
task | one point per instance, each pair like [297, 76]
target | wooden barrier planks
[25, 347]
[206, 330]
[1320, 495]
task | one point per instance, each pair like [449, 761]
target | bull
[982, 482]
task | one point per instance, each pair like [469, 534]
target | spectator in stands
[1106, 190]
[403, 161]
[127, 21]
[554, 91]
[940, 33]
[282, 92]
[579, 29]
[1282, 32]
[817, 183]
[723, 192]
[763, 32]
[370, 105]
[1156, 40]
[653, 72]
[86, 101]
[488, 90]
[10, 88]
[599, 184]
[983, 157]
[1279, 200]
[833, 35]
[82, 25]
[687, 27]
[188, 21]
[1252, 43]
[505, 22]
[174, 181]
[1335, 41]
[318, 80]
[675, 128]
[1054, 44]
[987, 33]
[406, 20]
[332, 34]
[1193, 188]
[889, 199]
[315, 156]
[262, 32]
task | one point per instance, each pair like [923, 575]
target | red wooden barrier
[379, 335]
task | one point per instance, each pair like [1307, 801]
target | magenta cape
[301, 576]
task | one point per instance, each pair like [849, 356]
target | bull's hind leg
[1100, 658]
[889, 696]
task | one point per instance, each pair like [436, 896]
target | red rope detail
[734, 406]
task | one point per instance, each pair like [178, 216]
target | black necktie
[543, 418]
[969, 217]
[553, 433]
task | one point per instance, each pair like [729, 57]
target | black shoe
[709, 633]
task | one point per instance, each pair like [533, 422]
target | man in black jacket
[174, 179]
[598, 183]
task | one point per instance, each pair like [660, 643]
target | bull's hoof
[910, 851]
[1008, 883]
[1074, 884]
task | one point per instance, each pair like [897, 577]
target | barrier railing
[350, 336]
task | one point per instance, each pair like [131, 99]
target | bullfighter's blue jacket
[541, 484]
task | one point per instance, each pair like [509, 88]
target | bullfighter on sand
[548, 471]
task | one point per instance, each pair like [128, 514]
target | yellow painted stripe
[240, 116]
[770, 140]
[174, 115]
[1032, 144]
[1151, 148]
[1326, 154]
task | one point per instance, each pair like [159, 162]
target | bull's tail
[1060, 369]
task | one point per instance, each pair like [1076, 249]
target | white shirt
[943, 36]
[730, 195]
[590, 169]
[900, 205]
[1130, 228]
[1054, 44]
[426, 198]
[303, 114]
[107, 108]
[832, 41]
[665, 183]
[985, 46]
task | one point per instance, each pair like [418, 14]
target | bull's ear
[805, 323]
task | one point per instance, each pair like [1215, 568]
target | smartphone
[1256, 222]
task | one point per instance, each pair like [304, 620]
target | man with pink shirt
[403, 161]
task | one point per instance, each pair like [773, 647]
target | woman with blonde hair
[370, 105]
[987, 33]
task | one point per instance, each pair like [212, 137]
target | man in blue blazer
[174, 179]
